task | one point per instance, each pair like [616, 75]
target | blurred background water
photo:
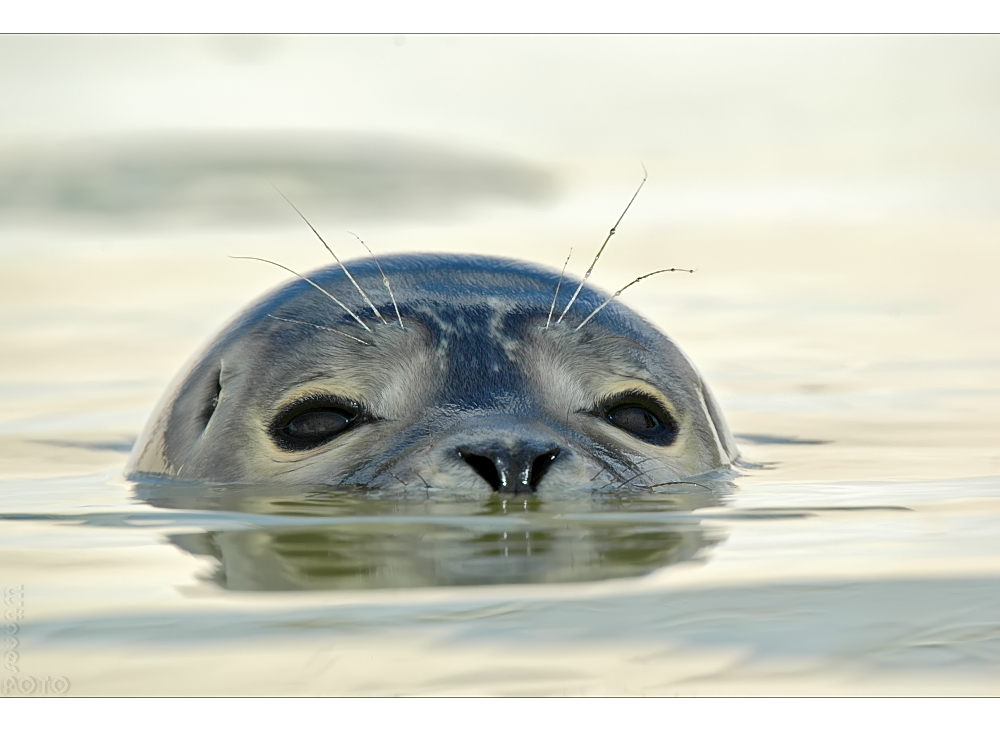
[839, 197]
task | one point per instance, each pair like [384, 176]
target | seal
[452, 374]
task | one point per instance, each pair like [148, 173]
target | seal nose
[511, 469]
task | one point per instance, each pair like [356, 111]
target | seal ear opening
[730, 453]
[213, 395]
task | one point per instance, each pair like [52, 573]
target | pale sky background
[737, 127]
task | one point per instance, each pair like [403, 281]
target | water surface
[857, 554]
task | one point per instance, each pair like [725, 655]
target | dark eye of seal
[312, 423]
[643, 418]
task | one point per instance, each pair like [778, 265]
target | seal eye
[311, 424]
[314, 425]
[644, 419]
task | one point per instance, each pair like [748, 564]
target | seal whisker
[634, 466]
[385, 280]
[600, 251]
[427, 488]
[622, 481]
[610, 472]
[307, 279]
[336, 258]
[634, 281]
[322, 327]
[681, 482]
[636, 476]
[619, 485]
[558, 284]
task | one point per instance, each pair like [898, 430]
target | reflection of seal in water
[471, 385]
[272, 538]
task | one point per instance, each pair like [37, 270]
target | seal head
[471, 389]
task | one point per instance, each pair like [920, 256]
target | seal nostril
[540, 466]
[514, 469]
[484, 467]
